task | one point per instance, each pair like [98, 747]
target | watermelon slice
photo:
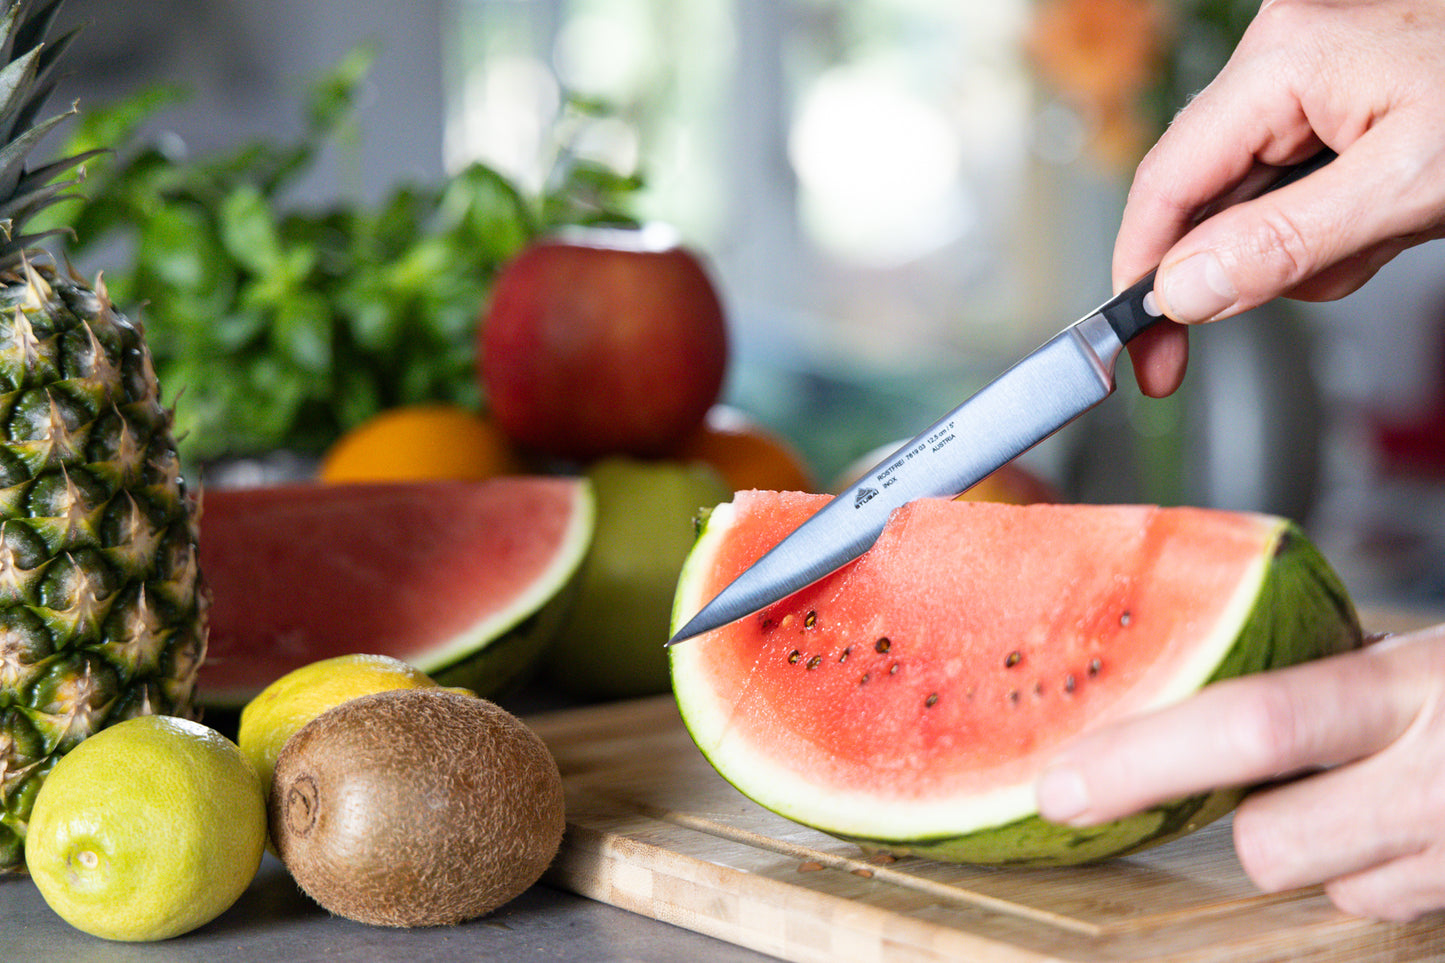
[465, 580]
[909, 701]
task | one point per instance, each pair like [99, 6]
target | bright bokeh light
[605, 51]
[878, 167]
[508, 106]
[849, 160]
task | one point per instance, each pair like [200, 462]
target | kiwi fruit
[417, 807]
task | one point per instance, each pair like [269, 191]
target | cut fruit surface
[911, 699]
[464, 580]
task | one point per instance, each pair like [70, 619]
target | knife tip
[682, 635]
[703, 621]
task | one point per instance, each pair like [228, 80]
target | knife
[1065, 377]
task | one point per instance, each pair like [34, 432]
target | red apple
[602, 342]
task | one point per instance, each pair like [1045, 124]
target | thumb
[1255, 251]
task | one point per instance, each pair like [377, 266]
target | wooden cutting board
[653, 829]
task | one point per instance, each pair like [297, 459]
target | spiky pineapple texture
[102, 610]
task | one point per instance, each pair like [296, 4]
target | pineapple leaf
[16, 80]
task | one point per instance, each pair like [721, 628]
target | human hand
[1363, 77]
[1361, 736]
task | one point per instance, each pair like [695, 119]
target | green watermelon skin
[1301, 611]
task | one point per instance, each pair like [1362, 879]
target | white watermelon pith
[910, 700]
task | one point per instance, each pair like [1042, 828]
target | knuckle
[1284, 18]
[1155, 184]
[1282, 253]
[1264, 730]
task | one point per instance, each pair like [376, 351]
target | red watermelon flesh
[439, 574]
[916, 693]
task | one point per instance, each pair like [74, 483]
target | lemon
[301, 695]
[147, 830]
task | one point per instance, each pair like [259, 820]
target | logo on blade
[863, 495]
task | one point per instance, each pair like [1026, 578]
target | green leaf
[334, 94]
[101, 128]
[234, 330]
[371, 315]
[301, 332]
[175, 248]
[248, 230]
[278, 324]
[283, 391]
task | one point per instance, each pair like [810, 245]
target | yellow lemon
[147, 830]
[301, 695]
[418, 443]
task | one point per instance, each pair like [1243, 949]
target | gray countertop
[274, 920]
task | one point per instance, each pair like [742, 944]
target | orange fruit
[1012, 484]
[421, 442]
[746, 454]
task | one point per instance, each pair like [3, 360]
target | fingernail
[1195, 289]
[1061, 795]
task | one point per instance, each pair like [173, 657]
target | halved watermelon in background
[465, 580]
[909, 701]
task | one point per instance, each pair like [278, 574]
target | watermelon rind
[1289, 608]
[513, 656]
[504, 649]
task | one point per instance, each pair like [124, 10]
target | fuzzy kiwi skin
[419, 807]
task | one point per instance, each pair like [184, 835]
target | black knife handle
[1129, 311]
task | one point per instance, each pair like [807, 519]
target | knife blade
[1066, 376]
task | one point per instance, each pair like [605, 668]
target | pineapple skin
[103, 612]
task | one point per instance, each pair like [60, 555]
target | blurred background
[898, 198]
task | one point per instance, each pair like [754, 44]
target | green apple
[613, 643]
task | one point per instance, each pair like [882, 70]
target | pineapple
[102, 610]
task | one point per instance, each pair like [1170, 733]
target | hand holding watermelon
[1364, 731]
